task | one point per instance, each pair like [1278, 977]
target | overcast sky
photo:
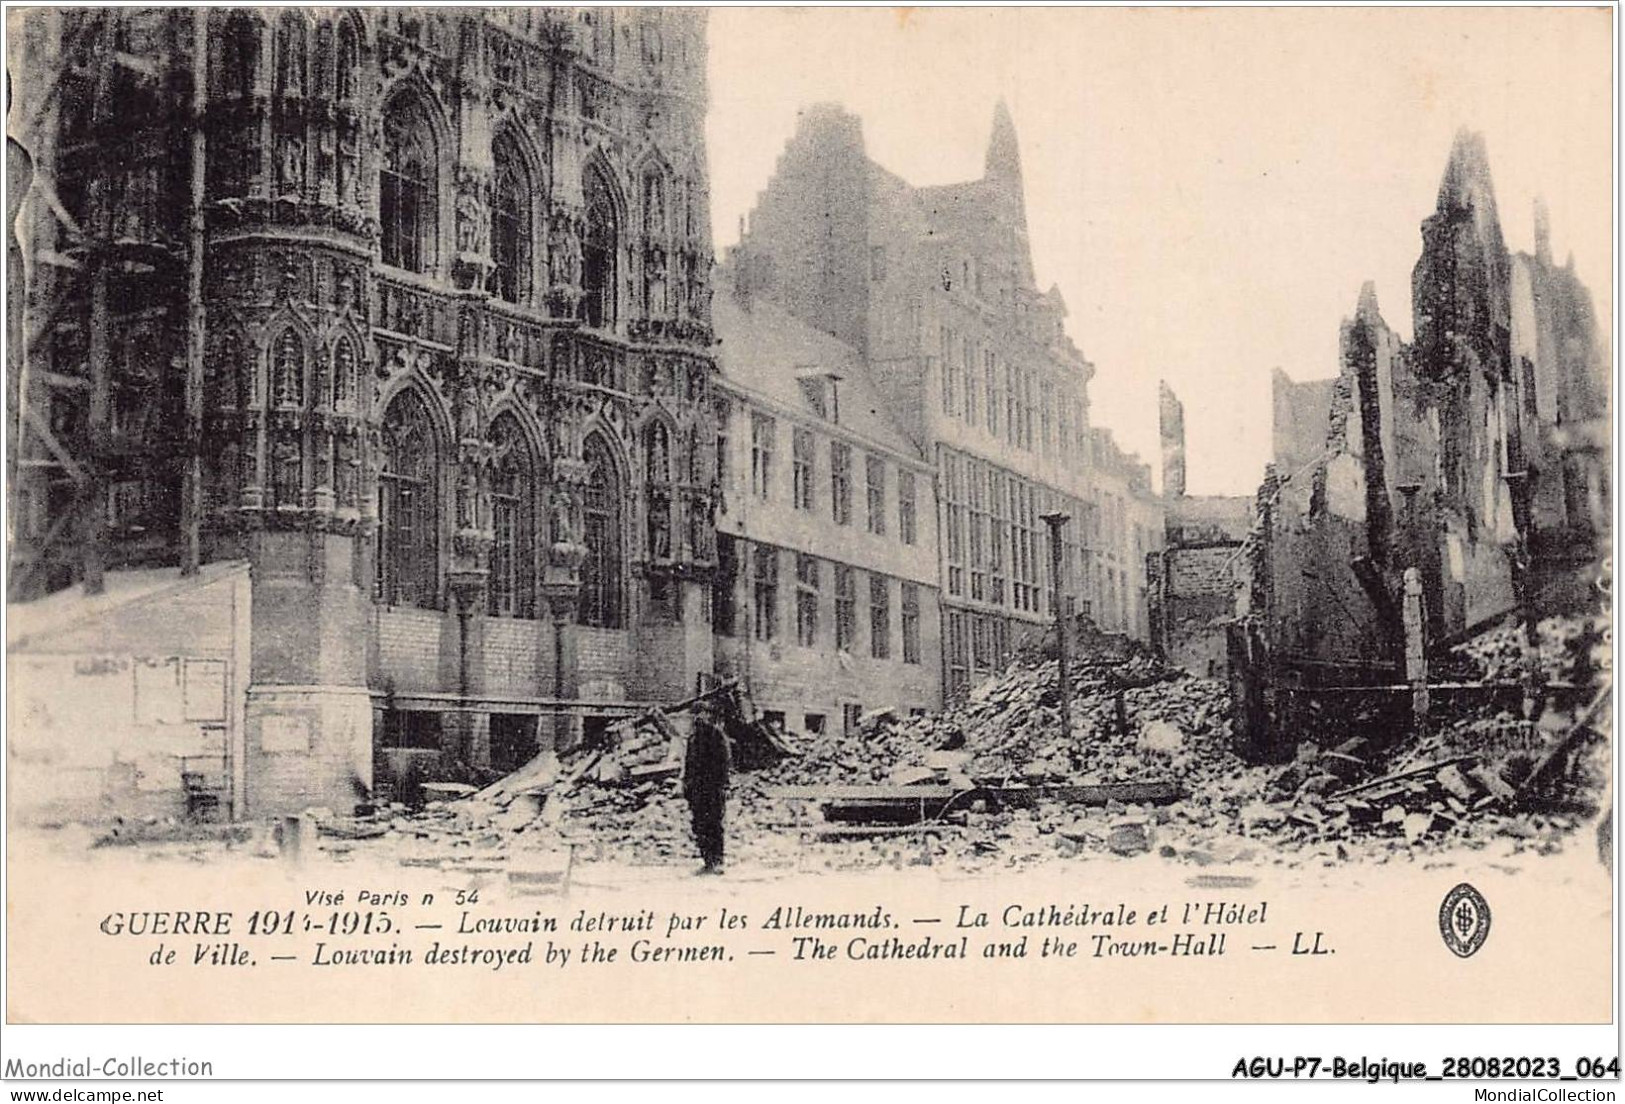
[1208, 188]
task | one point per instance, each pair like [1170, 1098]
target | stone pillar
[561, 586]
[466, 732]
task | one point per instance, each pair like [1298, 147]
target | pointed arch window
[347, 79]
[407, 188]
[601, 572]
[322, 74]
[234, 52]
[513, 493]
[511, 223]
[290, 55]
[598, 252]
[409, 507]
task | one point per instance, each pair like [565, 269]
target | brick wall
[602, 653]
[518, 656]
[409, 647]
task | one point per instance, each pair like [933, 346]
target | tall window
[958, 654]
[290, 54]
[407, 188]
[601, 602]
[598, 251]
[408, 506]
[762, 431]
[766, 581]
[879, 617]
[907, 510]
[723, 411]
[511, 222]
[998, 529]
[347, 79]
[874, 481]
[911, 623]
[972, 392]
[807, 573]
[840, 481]
[1046, 417]
[995, 396]
[950, 373]
[953, 510]
[234, 49]
[846, 607]
[1012, 406]
[513, 557]
[724, 604]
[801, 468]
[976, 527]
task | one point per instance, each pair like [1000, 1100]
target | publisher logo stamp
[1464, 920]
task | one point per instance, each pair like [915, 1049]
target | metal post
[1059, 604]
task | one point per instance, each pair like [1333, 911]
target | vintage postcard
[773, 515]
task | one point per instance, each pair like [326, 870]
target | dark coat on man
[705, 785]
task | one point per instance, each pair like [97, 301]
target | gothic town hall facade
[391, 328]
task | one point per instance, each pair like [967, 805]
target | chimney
[1171, 416]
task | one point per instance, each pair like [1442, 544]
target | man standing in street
[705, 782]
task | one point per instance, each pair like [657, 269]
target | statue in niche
[348, 473]
[292, 176]
[468, 491]
[326, 164]
[564, 257]
[562, 521]
[472, 225]
[349, 170]
[290, 476]
[659, 525]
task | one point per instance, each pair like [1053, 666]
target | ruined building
[390, 329]
[1475, 455]
[933, 287]
[1194, 575]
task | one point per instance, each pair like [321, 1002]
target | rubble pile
[1481, 774]
[1486, 772]
[1572, 650]
[1133, 721]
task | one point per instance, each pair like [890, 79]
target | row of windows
[996, 544]
[804, 478]
[976, 646]
[234, 56]
[409, 519]
[1015, 404]
[410, 184]
[815, 619]
[409, 189]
